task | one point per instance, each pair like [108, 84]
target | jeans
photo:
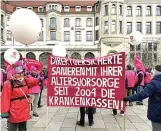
[156, 126]
[139, 89]
[22, 126]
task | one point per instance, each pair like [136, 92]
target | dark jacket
[153, 91]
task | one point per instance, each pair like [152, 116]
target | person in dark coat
[153, 91]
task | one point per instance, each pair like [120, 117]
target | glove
[125, 99]
[4, 115]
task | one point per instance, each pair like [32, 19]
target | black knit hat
[158, 68]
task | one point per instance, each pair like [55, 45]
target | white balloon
[136, 38]
[59, 50]
[11, 56]
[25, 26]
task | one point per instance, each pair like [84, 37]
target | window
[129, 11]
[113, 26]
[18, 8]
[106, 9]
[97, 35]
[129, 27]
[89, 22]
[2, 34]
[138, 11]
[8, 19]
[139, 26]
[97, 21]
[120, 26]
[66, 22]
[148, 10]
[89, 8]
[40, 9]
[78, 8]
[148, 27]
[158, 10]
[30, 55]
[53, 7]
[120, 9]
[9, 35]
[52, 23]
[158, 27]
[113, 9]
[52, 35]
[89, 36]
[106, 27]
[66, 36]
[41, 36]
[66, 9]
[77, 22]
[42, 22]
[77, 36]
[2, 20]
[30, 8]
[96, 8]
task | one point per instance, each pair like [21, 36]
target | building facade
[89, 29]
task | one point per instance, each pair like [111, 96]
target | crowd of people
[21, 95]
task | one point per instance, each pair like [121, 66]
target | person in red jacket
[15, 102]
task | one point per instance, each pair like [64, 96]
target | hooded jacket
[153, 91]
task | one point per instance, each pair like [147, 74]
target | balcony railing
[52, 27]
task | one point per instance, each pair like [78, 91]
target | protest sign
[96, 83]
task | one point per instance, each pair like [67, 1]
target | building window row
[147, 51]
[113, 11]
[78, 36]
[148, 27]
[139, 11]
[77, 8]
[89, 22]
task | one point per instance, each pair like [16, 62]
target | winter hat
[15, 70]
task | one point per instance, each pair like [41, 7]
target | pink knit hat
[15, 70]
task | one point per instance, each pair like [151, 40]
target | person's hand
[125, 99]
[5, 115]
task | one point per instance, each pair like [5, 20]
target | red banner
[138, 63]
[87, 83]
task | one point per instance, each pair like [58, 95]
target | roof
[9, 6]
[144, 1]
[23, 3]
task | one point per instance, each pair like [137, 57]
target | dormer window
[40, 9]
[66, 9]
[53, 7]
[78, 8]
[89, 8]
[30, 8]
[18, 8]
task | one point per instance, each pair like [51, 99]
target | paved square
[64, 119]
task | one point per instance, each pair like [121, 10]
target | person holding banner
[16, 105]
[153, 91]
[82, 116]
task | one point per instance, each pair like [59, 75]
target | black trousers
[22, 126]
[39, 102]
[82, 114]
